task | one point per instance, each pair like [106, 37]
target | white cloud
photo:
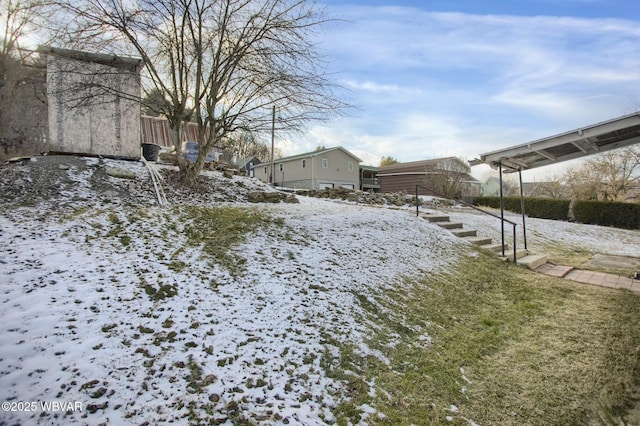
[430, 84]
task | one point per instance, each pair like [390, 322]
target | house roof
[310, 154]
[370, 168]
[492, 179]
[121, 62]
[412, 166]
[596, 138]
[243, 161]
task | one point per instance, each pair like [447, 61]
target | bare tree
[449, 177]
[245, 145]
[605, 177]
[22, 90]
[223, 64]
[552, 188]
[582, 183]
[19, 19]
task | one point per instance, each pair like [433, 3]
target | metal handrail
[438, 194]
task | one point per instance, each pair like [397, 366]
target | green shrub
[544, 208]
[607, 213]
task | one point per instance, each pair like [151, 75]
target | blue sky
[441, 78]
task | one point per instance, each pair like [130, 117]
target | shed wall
[93, 109]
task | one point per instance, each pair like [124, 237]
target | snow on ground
[543, 233]
[145, 329]
[117, 312]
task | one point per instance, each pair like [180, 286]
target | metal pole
[417, 207]
[515, 255]
[273, 132]
[524, 226]
[501, 208]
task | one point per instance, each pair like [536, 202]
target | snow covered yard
[214, 310]
[547, 235]
[109, 305]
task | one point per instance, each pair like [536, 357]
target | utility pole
[273, 132]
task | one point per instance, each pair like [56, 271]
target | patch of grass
[145, 330]
[177, 265]
[219, 229]
[566, 254]
[507, 346]
[108, 327]
[576, 256]
[163, 291]
[114, 219]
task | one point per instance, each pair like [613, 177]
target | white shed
[94, 103]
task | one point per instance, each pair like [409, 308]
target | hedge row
[608, 213]
[544, 208]
[605, 213]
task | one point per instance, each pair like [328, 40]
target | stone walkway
[590, 277]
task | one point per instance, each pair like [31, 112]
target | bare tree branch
[221, 63]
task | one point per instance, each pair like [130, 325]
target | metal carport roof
[601, 137]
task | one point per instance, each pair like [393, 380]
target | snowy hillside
[125, 312]
[107, 303]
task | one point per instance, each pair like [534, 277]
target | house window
[350, 166]
[280, 166]
[325, 163]
[304, 163]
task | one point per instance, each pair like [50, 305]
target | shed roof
[121, 62]
[596, 138]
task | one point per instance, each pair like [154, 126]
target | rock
[272, 197]
[120, 173]
[255, 197]
[63, 166]
[291, 199]
[227, 174]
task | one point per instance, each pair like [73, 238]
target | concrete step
[496, 248]
[450, 225]
[532, 261]
[508, 254]
[478, 241]
[464, 232]
[435, 217]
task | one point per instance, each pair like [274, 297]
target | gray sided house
[326, 168]
[94, 103]
[442, 174]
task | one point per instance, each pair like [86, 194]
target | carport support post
[524, 226]
[501, 208]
